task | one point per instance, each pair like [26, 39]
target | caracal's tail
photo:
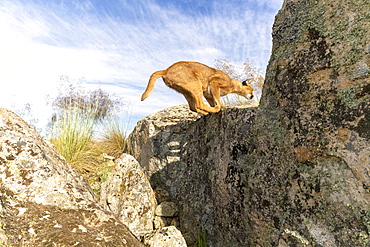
[151, 83]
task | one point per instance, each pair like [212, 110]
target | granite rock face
[45, 201]
[295, 170]
[199, 162]
[162, 124]
[316, 111]
[128, 194]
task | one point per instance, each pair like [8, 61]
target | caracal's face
[247, 90]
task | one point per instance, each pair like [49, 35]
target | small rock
[161, 195]
[361, 70]
[159, 222]
[167, 209]
[82, 228]
[166, 237]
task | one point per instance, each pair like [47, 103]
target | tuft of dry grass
[71, 135]
[113, 138]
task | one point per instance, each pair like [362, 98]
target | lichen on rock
[128, 194]
[44, 200]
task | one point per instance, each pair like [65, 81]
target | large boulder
[295, 171]
[128, 194]
[45, 201]
[166, 124]
[198, 162]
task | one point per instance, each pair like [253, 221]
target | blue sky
[117, 44]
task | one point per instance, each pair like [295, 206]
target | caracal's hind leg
[192, 105]
[200, 105]
[194, 95]
[211, 101]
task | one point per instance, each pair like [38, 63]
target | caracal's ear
[247, 82]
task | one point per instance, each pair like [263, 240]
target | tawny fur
[195, 80]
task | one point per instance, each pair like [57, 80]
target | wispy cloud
[118, 46]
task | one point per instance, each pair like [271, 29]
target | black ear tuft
[247, 82]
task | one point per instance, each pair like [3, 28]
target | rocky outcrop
[200, 163]
[292, 172]
[315, 110]
[295, 171]
[44, 201]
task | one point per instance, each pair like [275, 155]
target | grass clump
[75, 138]
[113, 138]
[72, 134]
[202, 238]
[86, 131]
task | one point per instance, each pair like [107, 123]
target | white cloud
[121, 45]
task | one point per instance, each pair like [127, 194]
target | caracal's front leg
[196, 103]
[216, 93]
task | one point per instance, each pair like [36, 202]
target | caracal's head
[246, 90]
